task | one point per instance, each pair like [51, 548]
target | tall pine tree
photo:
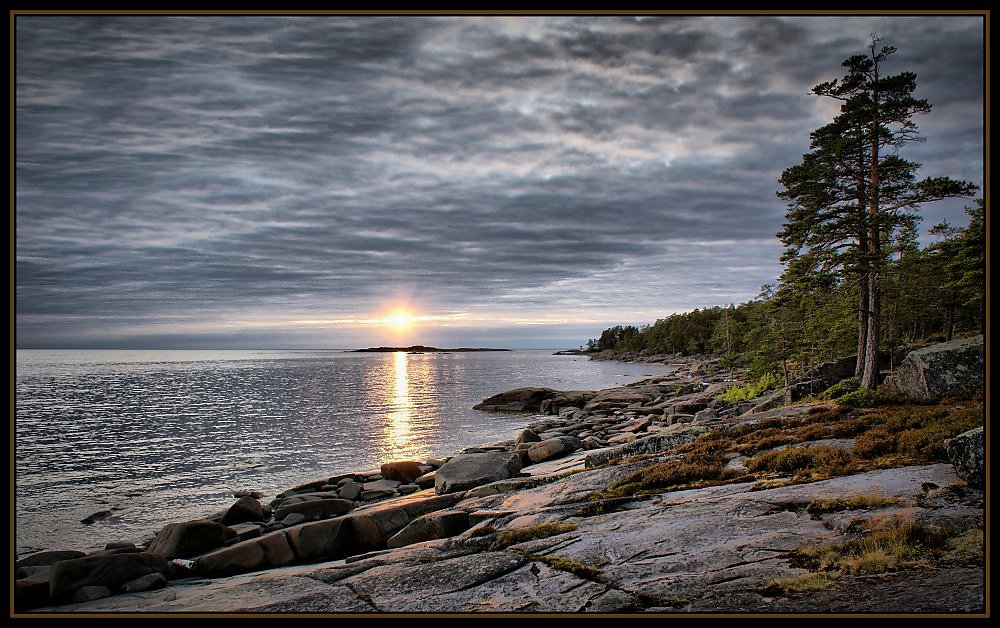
[852, 191]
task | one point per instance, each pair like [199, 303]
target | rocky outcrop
[553, 448]
[649, 445]
[941, 370]
[466, 471]
[967, 453]
[527, 399]
[246, 509]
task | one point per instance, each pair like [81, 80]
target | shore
[651, 497]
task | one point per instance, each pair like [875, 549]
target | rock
[270, 550]
[527, 399]
[466, 471]
[247, 493]
[48, 557]
[627, 437]
[824, 375]
[246, 531]
[680, 418]
[436, 525]
[145, 583]
[30, 593]
[321, 540]
[350, 490]
[293, 519]
[94, 518]
[655, 443]
[244, 510]
[553, 448]
[377, 494]
[406, 489]
[190, 538]
[101, 569]
[90, 593]
[382, 485]
[313, 509]
[426, 480]
[526, 436]
[941, 370]
[405, 471]
[967, 453]
[121, 545]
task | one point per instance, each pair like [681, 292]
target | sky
[510, 181]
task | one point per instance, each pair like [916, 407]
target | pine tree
[853, 192]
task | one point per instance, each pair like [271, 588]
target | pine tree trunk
[869, 376]
[859, 367]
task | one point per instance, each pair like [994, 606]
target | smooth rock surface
[467, 471]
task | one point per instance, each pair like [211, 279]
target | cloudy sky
[265, 181]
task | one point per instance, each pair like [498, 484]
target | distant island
[422, 349]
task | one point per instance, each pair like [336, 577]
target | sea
[153, 437]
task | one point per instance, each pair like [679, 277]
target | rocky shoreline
[551, 521]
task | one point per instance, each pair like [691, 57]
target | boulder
[270, 550]
[822, 376]
[190, 538]
[405, 471]
[320, 540]
[30, 593]
[245, 509]
[313, 509]
[553, 448]
[436, 525]
[382, 485]
[350, 490]
[466, 471]
[941, 370]
[527, 399]
[90, 593]
[103, 570]
[967, 453]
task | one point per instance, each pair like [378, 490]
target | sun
[400, 320]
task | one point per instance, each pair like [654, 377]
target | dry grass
[857, 502]
[575, 567]
[530, 533]
[806, 583]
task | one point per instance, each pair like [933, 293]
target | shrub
[823, 459]
[841, 388]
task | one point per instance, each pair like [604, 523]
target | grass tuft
[530, 533]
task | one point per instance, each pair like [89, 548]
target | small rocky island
[668, 495]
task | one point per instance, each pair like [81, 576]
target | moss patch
[856, 502]
[806, 583]
[575, 567]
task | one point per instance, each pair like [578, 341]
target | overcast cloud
[259, 181]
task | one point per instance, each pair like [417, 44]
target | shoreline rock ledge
[546, 523]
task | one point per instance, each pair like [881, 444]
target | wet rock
[463, 472]
[967, 453]
[94, 518]
[190, 538]
[244, 510]
[435, 525]
[553, 448]
[404, 471]
[101, 569]
[948, 368]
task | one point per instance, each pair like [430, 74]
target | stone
[145, 583]
[244, 531]
[245, 509]
[405, 471]
[680, 418]
[95, 517]
[426, 480]
[48, 557]
[293, 519]
[90, 593]
[247, 493]
[121, 545]
[101, 569]
[526, 436]
[941, 370]
[463, 472]
[553, 448]
[377, 494]
[382, 485]
[350, 490]
[270, 550]
[30, 593]
[528, 399]
[314, 509]
[436, 525]
[406, 489]
[190, 538]
[627, 437]
[320, 540]
[967, 453]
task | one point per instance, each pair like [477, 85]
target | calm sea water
[161, 436]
